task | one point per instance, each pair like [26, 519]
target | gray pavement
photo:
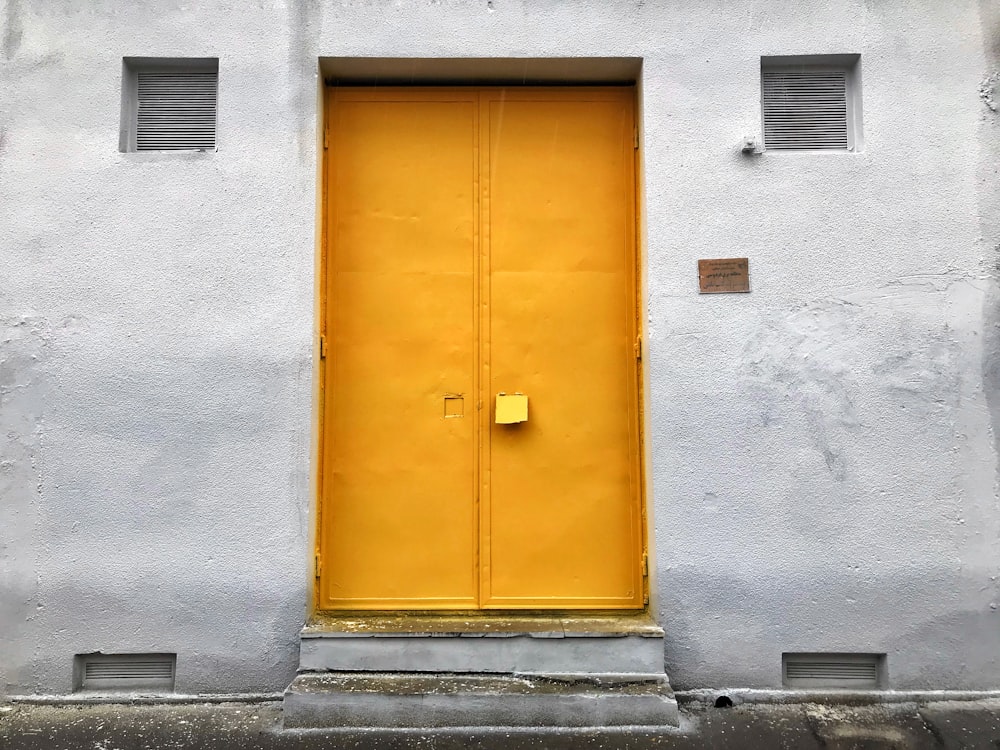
[257, 726]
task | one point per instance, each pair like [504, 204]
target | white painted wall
[823, 449]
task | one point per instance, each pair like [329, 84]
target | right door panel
[561, 497]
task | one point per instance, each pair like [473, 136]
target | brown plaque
[717, 275]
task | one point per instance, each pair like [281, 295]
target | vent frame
[829, 136]
[836, 670]
[129, 137]
[99, 672]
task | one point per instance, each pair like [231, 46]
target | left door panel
[399, 473]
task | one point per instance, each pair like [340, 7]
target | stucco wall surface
[822, 451]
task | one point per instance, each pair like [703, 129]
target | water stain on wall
[988, 200]
[814, 609]
[13, 31]
[24, 351]
[807, 357]
[304, 22]
[848, 365]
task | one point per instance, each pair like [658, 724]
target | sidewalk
[257, 726]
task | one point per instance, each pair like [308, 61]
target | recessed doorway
[480, 248]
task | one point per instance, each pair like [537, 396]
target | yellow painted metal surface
[399, 513]
[480, 241]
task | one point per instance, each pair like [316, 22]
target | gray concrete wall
[823, 454]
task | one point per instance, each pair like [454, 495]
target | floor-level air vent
[859, 671]
[125, 672]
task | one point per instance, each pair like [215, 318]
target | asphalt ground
[257, 726]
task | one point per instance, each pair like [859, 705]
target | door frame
[639, 390]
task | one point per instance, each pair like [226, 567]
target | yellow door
[479, 242]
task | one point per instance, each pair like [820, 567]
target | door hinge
[326, 137]
[635, 138]
[318, 564]
[638, 347]
[322, 347]
[645, 574]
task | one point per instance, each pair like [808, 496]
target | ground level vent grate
[860, 671]
[126, 672]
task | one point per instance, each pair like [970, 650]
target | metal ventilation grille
[832, 670]
[127, 671]
[805, 109]
[176, 110]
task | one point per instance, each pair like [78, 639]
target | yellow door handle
[512, 408]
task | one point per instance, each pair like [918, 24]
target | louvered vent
[805, 109]
[175, 110]
[860, 671]
[126, 672]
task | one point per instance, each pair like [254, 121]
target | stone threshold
[481, 624]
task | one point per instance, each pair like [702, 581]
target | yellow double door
[480, 242]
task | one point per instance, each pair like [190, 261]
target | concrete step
[397, 700]
[553, 650]
[527, 652]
